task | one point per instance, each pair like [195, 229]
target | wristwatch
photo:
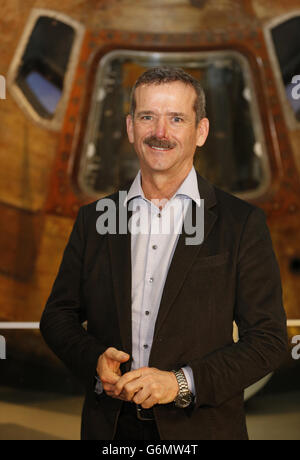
[184, 396]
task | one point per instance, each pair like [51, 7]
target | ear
[202, 131]
[130, 131]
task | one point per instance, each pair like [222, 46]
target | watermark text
[2, 347]
[2, 87]
[296, 88]
[114, 218]
[296, 348]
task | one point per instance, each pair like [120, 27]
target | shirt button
[147, 312]
[145, 346]
[159, 214]
[151, 280]
[154, 246]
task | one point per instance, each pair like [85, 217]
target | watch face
[184, 400]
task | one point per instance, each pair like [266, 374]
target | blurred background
[66, 70]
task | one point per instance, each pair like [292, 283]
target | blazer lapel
[185, 255]
[120, 252]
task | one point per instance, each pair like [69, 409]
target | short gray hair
[160, 75]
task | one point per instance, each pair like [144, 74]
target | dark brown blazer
[232, 275]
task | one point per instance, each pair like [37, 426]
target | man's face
[164, 131]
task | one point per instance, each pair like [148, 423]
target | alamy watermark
[114, 218]
[2, 87]
[296, 87]
[2, 347]
[296, 348]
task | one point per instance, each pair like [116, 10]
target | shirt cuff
[98, 386]
[189, 378]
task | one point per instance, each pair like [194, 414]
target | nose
[161, 128]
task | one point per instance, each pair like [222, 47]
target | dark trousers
[131, 428]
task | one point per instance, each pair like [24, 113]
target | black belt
[138, 411]
[144, 414]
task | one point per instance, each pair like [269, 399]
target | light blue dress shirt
[154, 236]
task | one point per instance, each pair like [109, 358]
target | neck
[162, 186]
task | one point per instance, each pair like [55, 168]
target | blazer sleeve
[61, 321]
[260, 317]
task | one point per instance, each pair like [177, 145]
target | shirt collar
[135, 189]
[188, 188]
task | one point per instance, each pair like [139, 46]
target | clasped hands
[146, 386]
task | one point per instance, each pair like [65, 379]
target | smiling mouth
[162, 149]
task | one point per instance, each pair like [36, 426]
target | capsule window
[44, 64]
[286, 39]
[234, 156]
[42, 69]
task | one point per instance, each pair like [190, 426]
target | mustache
[153, 141]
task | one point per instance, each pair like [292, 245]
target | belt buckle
[139, 415]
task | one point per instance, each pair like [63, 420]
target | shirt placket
[150, 284]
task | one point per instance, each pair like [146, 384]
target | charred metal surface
[199, 3]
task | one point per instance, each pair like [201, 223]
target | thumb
[123, 357]
[117, 355]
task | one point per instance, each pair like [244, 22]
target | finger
[141, 396]
[109, 377]
[127, 378]
[149, 402]
[121, 396]
[109, 390]
[131, 388]
[108, 387]
[116, 355]
[110, 393]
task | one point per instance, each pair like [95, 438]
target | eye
[177, 119]
[146, 117]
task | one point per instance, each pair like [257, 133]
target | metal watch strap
[184, 397]
[182, 382]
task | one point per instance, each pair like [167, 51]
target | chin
[158, 167]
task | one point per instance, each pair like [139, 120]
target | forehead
[167, 95]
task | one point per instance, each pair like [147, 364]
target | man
[160, 311]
